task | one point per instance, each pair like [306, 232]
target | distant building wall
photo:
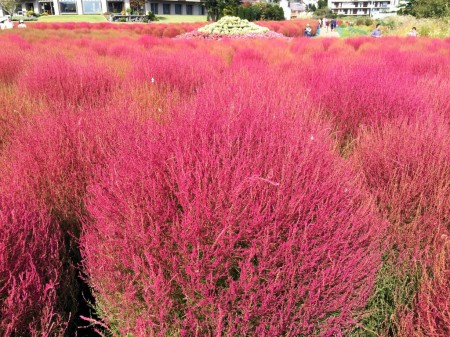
[161, 7]
[364, 7]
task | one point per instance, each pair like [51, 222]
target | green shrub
[369, 22]
[425, 31]
[261, 11]
[151, 17]
[273, 12]
[250, 13]
[360, 22]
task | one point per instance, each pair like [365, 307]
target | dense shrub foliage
[260, 11]
[284, 187]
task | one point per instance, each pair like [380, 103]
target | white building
[59, 7]
[367, 7]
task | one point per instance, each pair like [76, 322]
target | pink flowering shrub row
[253, 187]
[288, 28]
[239, 222]
[46, 166]
[33, 281]
[155, 29]
[406, 165]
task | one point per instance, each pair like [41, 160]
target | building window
[154, 8]
[178, 9]
[189, 9]
[115, 6]
[68, 6]
[202, 10]
[92, 7]
[166, 9]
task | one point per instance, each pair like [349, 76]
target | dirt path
[329, 33]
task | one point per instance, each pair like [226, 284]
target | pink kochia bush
[67, 83]
[42, 188]
[32, 276]
[406, 166]
[288, 187]
[230, 223]
[176, 71]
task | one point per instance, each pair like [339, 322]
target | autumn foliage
[290, 187]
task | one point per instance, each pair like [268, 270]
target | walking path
[329, 33]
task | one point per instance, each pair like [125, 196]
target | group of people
[8, 24]
[377, 32]
[321, 23]
[332, 24]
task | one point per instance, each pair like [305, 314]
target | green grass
[394, 292]
[181, 18]
[72, 18]
[353, 31]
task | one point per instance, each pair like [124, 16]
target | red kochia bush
[229, 222]
[31, 270]
[10, 64]
[49, 161]
[66, 83]
[406, 166]
[368, 94]
[176, 69]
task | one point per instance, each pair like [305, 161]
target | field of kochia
[259, 187]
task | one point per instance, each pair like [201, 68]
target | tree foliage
[322, 4]
[136, 5]
[9, 6]
[261, 11]
[427, 8]
[324, 12]
[217, 8]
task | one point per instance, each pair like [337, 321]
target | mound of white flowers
[232, 25]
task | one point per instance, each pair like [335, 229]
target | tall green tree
[426, 8]
[9, 6]
[135, 5]
[431, 8]
[218, 8]
[322, 4]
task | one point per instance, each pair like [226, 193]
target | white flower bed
[232, 25]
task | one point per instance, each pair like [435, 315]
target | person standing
[9, 24]
[413, 32]
[324, 23]
[22, 24]
[333, 24]
[376, 32]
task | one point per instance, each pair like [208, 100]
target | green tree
[215, 8]
[431, 8]
[426, 8]
[311, 8]
[322, 4]
[9, 6]
[324, 12]
[135, 5]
